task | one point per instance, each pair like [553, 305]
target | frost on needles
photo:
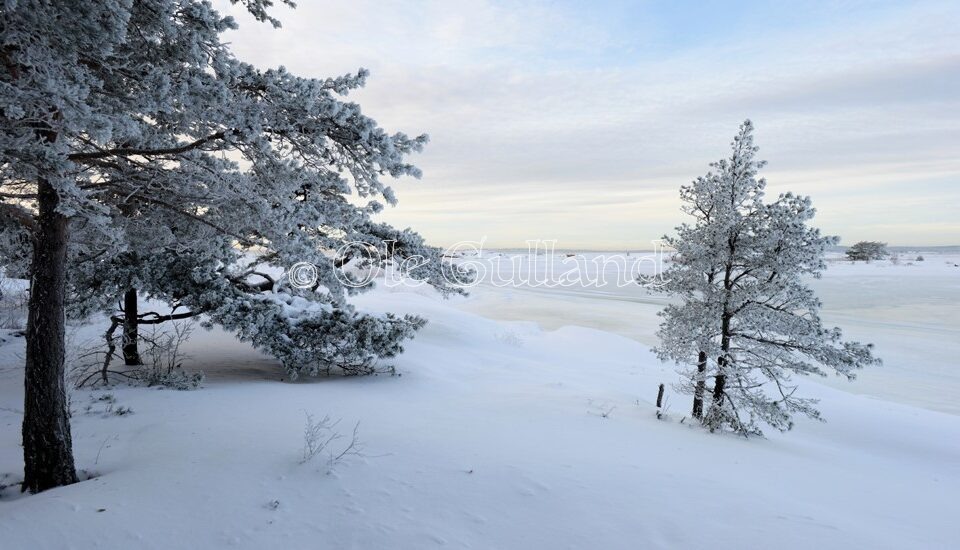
[194, 178]
[746, 321]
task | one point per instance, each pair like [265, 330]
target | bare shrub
[320, 438]
[161, 351]
[164, 357]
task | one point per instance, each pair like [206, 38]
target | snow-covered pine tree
[746, 318]
[244, 289]
[141, 115]
[867, 250]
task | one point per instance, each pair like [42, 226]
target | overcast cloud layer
[578, 122]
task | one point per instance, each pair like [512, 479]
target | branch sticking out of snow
[320, 437]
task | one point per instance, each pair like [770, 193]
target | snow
[910, 311]
[510, 433]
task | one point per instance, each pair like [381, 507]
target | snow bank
[497, 435]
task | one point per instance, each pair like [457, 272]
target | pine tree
[867, 250]
[746, 318]
[137, 152]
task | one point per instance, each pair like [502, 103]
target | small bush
[320, 437]
[161, 352]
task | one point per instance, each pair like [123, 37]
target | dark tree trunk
[47, 445]
[131, 354]
[715, 416]
[701, 385]
[719, 384]
[701, 388]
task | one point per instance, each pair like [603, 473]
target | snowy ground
[517, 434]
[909, 310]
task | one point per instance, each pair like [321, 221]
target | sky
[579, 121]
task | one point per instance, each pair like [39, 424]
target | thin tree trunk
[715, 416]
[47, 445]
[719, 384]
[701, 385]
[131, 354]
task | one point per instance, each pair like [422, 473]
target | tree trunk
[701, 385]
[719, 384]
[131, 354]
[715, 416]
[47, 445]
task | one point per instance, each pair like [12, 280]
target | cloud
[552, 121]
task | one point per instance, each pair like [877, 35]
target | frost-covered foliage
[191, 176]
[13, 303]
[746, 320]
[867, 250]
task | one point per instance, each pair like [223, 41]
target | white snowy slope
[910, 310]
[498, 434]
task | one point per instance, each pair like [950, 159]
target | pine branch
[19, 214]
[133, 151]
